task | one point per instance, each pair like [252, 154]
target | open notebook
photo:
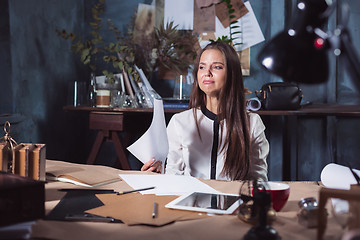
[93, 176]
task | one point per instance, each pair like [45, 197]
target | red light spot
[319, 43]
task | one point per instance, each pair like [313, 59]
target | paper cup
[102, 98]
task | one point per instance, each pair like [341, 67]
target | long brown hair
[232, 109]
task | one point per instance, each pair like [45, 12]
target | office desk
[307, 110]
[317, 110]
[214, 227]
[117, 125]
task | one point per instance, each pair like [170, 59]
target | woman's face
[211, 74]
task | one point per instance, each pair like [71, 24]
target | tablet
[219, 203]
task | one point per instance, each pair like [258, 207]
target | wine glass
[340, 210]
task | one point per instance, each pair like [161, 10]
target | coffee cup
[279, 193]
[102, 98]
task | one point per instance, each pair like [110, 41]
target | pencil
[135, 190]
[85, 190]
[154, 212]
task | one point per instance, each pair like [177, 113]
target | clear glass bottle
[92, 91]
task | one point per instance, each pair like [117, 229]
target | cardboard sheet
[89, 176]
[204, 19]
[134, 209]
[223, 15]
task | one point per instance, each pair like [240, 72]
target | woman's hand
[152, 166]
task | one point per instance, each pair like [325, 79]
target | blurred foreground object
[300, 53]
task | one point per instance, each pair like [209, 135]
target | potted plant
[95, 49]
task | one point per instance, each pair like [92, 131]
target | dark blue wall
[5, 59]
[37, 67]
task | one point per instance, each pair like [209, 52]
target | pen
[154, 212]
[135, 190]
[85, 190]
[90, 218]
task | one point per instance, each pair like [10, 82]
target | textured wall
[5, 60]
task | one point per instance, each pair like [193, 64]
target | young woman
[217, 138]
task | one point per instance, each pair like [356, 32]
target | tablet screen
[207, 202]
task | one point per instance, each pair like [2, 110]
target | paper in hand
[154, 142]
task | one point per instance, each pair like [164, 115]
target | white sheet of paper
[249, 26]
[337, 176]
[181, 12]
[166, 184]
[154, 142]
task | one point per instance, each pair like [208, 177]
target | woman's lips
[208, 81]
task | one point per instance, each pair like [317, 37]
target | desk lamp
[300, 52]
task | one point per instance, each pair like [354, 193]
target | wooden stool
[108, 125]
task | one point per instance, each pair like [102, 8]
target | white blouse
[190, 155]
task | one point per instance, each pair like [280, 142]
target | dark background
[37, 68]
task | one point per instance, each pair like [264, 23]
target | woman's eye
[218, 67]
[201, 67]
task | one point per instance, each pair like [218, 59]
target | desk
[317, 110]
[307, 110]
[110, 122]
[215, 227]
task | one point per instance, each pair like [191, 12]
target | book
[173, 105]
[4, 157]
[91, 176]
[127, 84]
[24, 159]
[37, 159]
[121, 79]
[20, 161]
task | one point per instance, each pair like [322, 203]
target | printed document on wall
[180, 12]
[251, 33]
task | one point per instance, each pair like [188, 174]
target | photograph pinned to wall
[244, 57]
[159, 12]
[251, 33]
[144, 22]
[181, 13]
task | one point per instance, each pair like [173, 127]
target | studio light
[300, 53]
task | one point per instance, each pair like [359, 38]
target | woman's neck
[212, 104]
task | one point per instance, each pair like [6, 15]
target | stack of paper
[166, 184]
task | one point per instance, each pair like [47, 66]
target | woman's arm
[175, 163]
[259, 149]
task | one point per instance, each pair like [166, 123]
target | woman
[216, 138]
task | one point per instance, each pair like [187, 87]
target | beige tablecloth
[214, 227]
